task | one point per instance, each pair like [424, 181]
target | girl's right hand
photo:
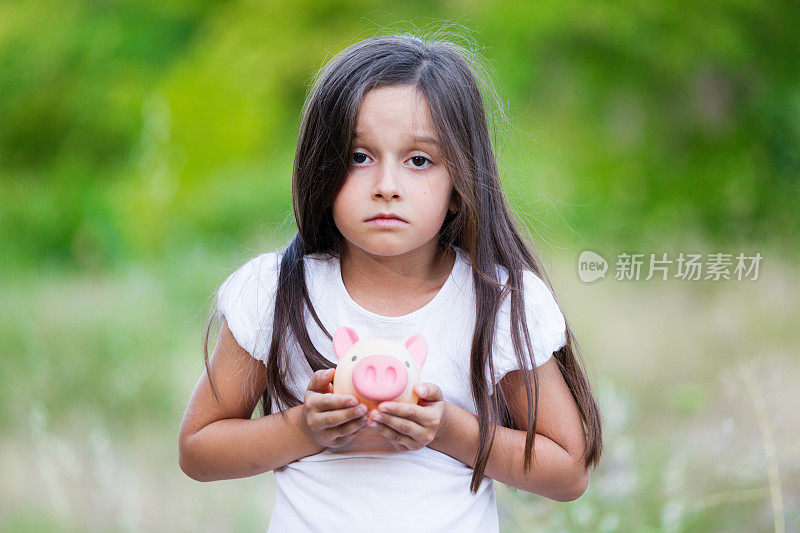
[331, 420]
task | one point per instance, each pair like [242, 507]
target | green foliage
[130, 128]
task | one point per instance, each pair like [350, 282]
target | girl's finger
[348, 428]
[402, 426]
[402, 443]
[429, 392]
[338, 442]
[320, 379]
[332, 402]
[337, 417]
[408, 411]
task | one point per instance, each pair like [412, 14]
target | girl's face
[395, 168]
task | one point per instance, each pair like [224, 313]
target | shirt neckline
[440, 296]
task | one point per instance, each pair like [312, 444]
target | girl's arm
[557, 469]
[218, 440]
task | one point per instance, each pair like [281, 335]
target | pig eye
[408, 364]
[354, 358]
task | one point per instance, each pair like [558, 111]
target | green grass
[97, 369]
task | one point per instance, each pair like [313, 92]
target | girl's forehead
[395, 110]
[398, 101]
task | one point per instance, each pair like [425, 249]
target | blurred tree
[130, 128]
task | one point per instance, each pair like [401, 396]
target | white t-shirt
[422, 490]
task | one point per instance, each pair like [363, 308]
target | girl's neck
[419, 273]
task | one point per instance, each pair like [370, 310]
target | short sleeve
[545, 322]
[246, 300]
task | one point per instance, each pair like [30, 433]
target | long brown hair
[448, 75]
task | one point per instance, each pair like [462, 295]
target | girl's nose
[387, 184]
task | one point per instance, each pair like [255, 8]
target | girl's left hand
[411, 427]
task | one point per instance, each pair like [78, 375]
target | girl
[402, 229]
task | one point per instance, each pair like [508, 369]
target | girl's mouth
[386, 222]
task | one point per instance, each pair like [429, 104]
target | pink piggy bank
[377, 370]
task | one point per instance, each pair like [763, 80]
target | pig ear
[418, 348]
[343, 339]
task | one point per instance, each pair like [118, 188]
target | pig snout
[379, 378]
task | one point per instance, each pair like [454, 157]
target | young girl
[402, 229]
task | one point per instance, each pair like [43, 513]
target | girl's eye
[418, 160]
[359, 158]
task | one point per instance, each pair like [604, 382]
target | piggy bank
[377, 370]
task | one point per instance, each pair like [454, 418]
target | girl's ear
[418, 348]
[343, 339]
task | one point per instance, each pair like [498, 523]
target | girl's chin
[377, 250]
[388, 244]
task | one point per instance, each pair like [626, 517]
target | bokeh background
[146, 151]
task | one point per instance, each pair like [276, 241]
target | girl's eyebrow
[419, 140]
[426, 140]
